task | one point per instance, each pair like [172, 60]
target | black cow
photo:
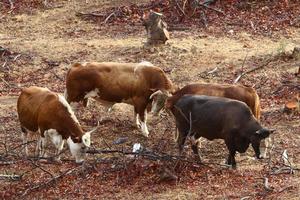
[218, 118]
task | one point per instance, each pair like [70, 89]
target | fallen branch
[109, 16]
[89, 14]
[58, 77]
[55, 178]
[251, 70]
[11, 4]
[212, 71]
[209, 7]
[154, 156]
[181, 10]
[14, 177]
[266, 184]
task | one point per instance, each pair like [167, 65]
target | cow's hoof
[233, 166]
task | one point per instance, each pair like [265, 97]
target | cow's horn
[94, 129]
[155, 93]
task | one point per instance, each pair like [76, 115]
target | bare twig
[109, 16]
[89, 14]
[212, 71]
[16, 57]
[251, 70]
[209, 7]
[11, 4]
[41, 168]
[55, 178]
[204, 19]
[10, 176]
[58, 77]
[266, 184]
[178, 6]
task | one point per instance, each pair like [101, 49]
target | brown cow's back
[29, 103]
[238, 92]
[115, 81]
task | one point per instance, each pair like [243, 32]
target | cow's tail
[257, 107]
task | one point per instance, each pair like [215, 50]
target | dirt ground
[49, 40]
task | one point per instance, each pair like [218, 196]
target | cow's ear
[262, 133]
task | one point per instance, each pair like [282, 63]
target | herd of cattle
[211, 111]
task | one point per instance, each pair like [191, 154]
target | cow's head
[257, 137]
[158, 101]
[79, 145]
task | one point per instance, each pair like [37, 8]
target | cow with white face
[49, 114]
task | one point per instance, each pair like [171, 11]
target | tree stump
[156, 29]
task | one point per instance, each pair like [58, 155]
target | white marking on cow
[24, 139]
[144, 128]
[66, 94]
[142, 64]
[84, 64]
[40, 147]
[92, 94]
[74, 105]
[146, 63]
[57, 140]
[65, 103]
[77, 150]
[137, 120]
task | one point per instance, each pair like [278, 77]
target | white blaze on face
[65, 103]
[78, 150]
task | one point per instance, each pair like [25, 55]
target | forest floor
[38, 47]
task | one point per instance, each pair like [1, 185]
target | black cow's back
[211, 116]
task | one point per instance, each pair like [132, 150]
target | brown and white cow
[242, 93]
[49, 114]
[112, 82]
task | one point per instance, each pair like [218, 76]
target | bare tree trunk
[156, 29]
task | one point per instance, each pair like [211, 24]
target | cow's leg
[231, 159]
[256, 150]
[140, 107]
[182, 134]
[24, 140]
[231, 148]
[137, 119]
[144, 124]
[58, 142]
[195, 145]
[40, 150]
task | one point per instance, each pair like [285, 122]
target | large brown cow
[111, 82]
[49, 114]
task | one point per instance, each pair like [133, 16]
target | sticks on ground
[14, 177]
[252, 70]
[50, 181]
